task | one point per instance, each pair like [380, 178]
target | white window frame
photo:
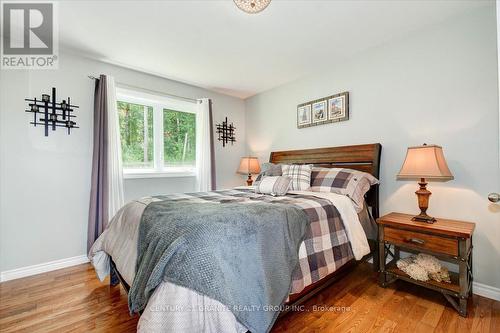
[158, 103]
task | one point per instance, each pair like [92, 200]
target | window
[179, 138]
[136, 135]
[157, 133]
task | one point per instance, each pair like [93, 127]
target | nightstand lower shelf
[452, 288]
[450, 291]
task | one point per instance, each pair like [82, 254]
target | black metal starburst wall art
[48, 113]
[226, 133]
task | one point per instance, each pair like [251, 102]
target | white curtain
[203, 146]
[115, 170]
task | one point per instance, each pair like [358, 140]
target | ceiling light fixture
[252, 6]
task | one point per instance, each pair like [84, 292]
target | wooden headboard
[359, 157]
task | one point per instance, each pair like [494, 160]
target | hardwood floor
[73, 300]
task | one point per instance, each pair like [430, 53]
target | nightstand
[447, 240]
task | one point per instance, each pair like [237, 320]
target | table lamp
[425, 162]
[249, 165]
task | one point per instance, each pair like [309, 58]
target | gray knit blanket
[240, 254]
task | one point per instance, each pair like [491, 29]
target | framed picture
[319, 112]
[329, 109]
[303, 115]
[338, 107]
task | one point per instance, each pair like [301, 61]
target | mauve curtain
[205, 153]
[106, 194]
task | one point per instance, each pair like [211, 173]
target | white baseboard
[486, 291]
[42, 268]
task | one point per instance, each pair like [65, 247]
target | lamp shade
[427, 162]
[249, 165]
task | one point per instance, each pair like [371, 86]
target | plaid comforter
[325, 247]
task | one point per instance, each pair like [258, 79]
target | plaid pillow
[352, 183]
[276, 186]
[300, 175]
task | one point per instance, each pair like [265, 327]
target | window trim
[157, 174]
[158, 103]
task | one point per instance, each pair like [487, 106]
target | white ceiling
[214, 45]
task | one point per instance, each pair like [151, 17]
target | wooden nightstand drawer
[421, 241]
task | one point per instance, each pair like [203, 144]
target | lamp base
[249, 180]
[423, 203]
[424, 218]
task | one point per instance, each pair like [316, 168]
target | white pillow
[274, 185]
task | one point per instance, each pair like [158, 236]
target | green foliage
[136, 134]
[179, 137]
[137, 146]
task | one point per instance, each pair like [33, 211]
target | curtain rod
[150, 91]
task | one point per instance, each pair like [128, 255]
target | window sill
[152, 174]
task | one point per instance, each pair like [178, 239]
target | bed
[175, 307]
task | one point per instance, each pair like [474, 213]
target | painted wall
[45, 182]
[437, 86]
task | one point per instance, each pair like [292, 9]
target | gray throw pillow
[268, 170]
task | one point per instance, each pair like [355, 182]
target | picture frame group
[325, 110]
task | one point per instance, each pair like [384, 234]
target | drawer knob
[416, 241]
[494, 197]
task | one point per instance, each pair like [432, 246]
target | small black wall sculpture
[226, 133]
[47, 112]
